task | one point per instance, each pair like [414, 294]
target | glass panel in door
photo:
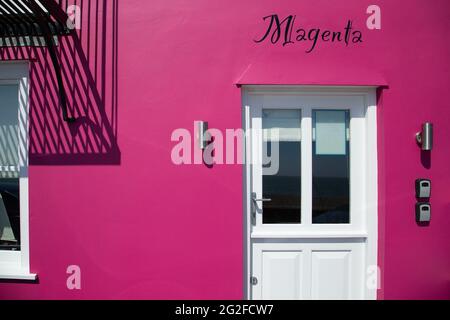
[331, 167]
[282, 187]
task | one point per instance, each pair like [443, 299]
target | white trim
[246, 200]
[367, 230]
[308, 235]
[16, 264]
[13, 275]
[307, 90]
[371, 163]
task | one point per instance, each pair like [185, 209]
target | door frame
[368, 95]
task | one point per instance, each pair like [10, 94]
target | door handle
[259, 200]
[255, 205]
[263, 200]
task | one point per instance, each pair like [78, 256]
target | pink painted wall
[104, 194]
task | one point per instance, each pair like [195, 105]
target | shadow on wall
[88, 59]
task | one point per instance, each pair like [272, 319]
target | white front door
[311, 193]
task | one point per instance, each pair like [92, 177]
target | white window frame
[356, 106]
[15, 265]
[366, 228]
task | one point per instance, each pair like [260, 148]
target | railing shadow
[89, 68]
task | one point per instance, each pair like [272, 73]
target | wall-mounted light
[425, 137]
[202, 134]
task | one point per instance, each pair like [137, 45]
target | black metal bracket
[41, 16]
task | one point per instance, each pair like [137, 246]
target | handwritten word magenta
[285, 32]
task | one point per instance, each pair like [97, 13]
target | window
[306, 151]
[14, 246]
[330, 166]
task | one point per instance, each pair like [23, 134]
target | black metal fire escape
[24, 21]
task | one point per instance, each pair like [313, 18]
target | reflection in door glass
[331, 167]
[283, 188]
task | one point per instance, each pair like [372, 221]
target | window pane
[9, 214]
[331, 167]
[9, 127]
[283, 186]
[9, 168]
[330, 132]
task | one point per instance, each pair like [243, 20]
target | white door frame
[369, 223]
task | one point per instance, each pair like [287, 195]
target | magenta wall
[105, 195]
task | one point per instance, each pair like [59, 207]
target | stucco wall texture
[105, 195]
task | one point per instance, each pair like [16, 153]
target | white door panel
[331, 274]
[282, 275]
[308, 270]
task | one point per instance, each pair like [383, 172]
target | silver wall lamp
[203, 137]
[425, 137]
